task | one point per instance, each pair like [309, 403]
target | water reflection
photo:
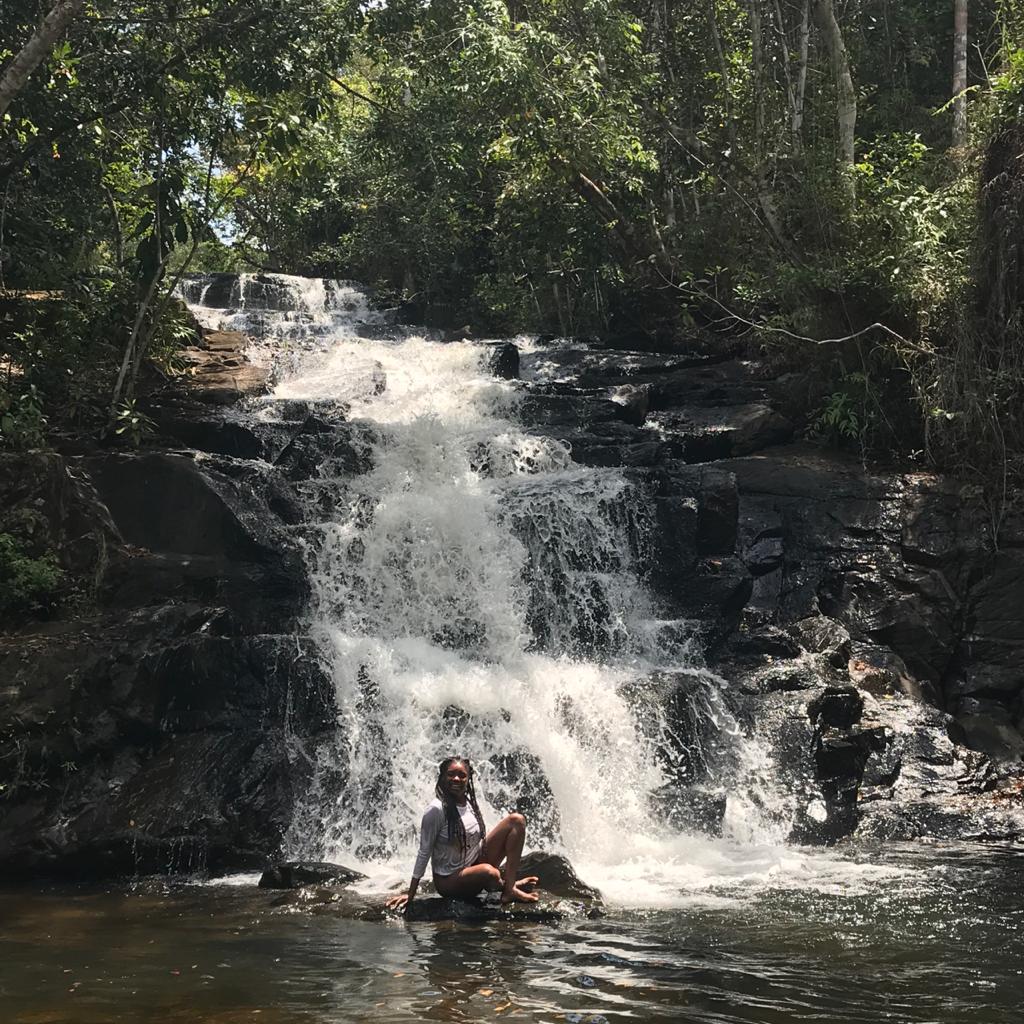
[945, 948]
[473, 972]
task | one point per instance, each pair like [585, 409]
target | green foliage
[840, 419]
[28, 585]
[22, 423]
[578, 166]
[132, 424]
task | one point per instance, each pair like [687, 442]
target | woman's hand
[399, 902]
[403, 900]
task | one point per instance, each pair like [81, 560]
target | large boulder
[557, 876]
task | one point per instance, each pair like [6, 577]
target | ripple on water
[936, 940]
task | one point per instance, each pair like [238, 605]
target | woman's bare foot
[527, 883]
[518, 896]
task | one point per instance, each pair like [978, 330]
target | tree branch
[36, 50]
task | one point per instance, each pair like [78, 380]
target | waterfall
[475, 592]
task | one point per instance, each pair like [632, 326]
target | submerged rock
[544, 911]
[293, 874]
[351, 905]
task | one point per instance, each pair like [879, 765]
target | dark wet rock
[569, 410]
[707, 433]
[841, 756]
[197, 532]
[879, 671]
[596, 366]
[348, 905]
[693, 809]
[952, 819]
[634, 400]
[719, 587]
[51, 506]
[345, 450]
[209, 432]
[836, 708]
[671, 709]
[152, 744]
[613, 443]
[483, 910]
[822, 635]
[502, 359]
[763, 554]
[989, 728]
[293, 874]
[754, 645]
[588, 450]
[165, 503]
[556, 875]
[150, 726]
[521, 784]
[717, 512]
[787, 675]
[674, 542]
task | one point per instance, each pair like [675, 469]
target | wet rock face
[153, 727]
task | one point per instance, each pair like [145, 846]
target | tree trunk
[765, 196]
[959, 72]
[801, 78]
[36, 50]
[757, 52]
[787, 72]
[846, 98]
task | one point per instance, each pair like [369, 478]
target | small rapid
[476, 592]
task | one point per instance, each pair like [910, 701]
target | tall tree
[846, 96]
[959, 72]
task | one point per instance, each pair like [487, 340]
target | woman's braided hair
[452, 817]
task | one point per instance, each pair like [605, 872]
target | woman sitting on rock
[465, 861]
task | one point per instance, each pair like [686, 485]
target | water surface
[937, 938]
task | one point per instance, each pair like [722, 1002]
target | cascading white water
[477, 593]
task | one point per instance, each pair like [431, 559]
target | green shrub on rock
[27, 584]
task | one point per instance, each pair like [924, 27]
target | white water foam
[476, 593]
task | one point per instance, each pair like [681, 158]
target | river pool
[929, 934]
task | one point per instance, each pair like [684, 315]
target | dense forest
[836, 183]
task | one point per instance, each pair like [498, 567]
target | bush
[28, 585]
[22, 423]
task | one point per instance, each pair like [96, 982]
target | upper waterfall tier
[280, 292]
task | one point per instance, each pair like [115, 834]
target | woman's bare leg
[468, 881]
[505, 843]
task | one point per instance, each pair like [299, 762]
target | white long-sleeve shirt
[444, 851]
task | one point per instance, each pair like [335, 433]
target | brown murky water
[942, 942]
